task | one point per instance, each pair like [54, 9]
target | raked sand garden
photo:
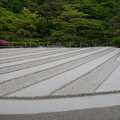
[60, 83]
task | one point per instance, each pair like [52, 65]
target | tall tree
[12, 5]
[50, 10]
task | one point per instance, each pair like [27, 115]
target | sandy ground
[22, 82]
[16, 53]
[91, 81]
[60, 84]
[110, 84]
[38, 60]
[46, 87]
[105, 113]
[22, 57]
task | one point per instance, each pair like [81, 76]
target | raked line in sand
[25, 81]
[14, 59]
[25, 52]
[12, 75]
[29, 54]
[39, 58]
[112, 82]
[28, 64]
[46, 87]
[38, 107]
[57, 105]
[89, 82]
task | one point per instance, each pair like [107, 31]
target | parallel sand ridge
[59, 79]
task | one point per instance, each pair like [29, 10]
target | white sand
[89, 82]
[9, 50]
[112, 82]
[29, 54]
[25, 81]
[56, 105]
[53, 75]
[12, 75]
[48, 86]
[39, 58]
[26, 52]
[34, 56]
[118, 59]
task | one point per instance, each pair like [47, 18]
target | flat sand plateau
[60, 83]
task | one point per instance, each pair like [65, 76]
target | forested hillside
[63, 21]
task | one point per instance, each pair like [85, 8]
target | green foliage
[27, 15]
[72, 26]
[116, 41]
[16, 26]
[31, 40]
[40, 2]
[97, 11]
[63, 21]
[12, 5]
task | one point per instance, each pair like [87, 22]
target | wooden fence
[47, 44]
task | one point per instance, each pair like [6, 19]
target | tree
[75, 24]
[12, 5]
[40, 2]
[97, 11]
[116, 41]
[49, 11]
[30, 5]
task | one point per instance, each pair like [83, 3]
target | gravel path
[46, 87]
[25, 81]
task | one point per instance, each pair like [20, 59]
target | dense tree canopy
[63, 21]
